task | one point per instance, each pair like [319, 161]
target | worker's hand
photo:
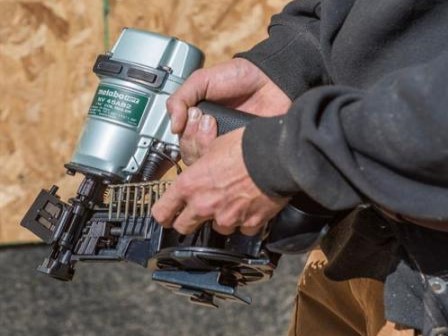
[238, 84]
[217, 186]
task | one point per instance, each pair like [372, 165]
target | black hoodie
[368, 125]
[369, 122]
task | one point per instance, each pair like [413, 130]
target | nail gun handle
[228, 119]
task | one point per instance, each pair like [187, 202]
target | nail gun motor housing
[127, 134]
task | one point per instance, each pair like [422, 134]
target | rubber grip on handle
[228, 119]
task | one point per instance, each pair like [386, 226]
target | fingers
[199, 132]
[189, 94]
[224, 230]
[208, 131]
[167, 207]
[250, 231]
[188, 146]
[187, 221]
[169, 211]
[252, 227]
[230, 82]
[217, 187]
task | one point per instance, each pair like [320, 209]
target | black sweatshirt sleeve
[291, 55]
[387, 144]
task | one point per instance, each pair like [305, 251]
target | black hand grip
[228, 119]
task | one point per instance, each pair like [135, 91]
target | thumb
[192, 91]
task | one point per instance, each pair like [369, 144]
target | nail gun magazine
[125, 148]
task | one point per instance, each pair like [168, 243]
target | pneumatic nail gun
[125, 148]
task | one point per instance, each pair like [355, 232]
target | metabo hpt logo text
[116, 94]
[118, 104]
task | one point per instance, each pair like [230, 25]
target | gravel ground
[121, 299]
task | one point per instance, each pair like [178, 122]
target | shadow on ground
[121, 299]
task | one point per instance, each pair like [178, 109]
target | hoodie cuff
[261, 154]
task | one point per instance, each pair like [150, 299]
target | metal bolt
[167, 69]
[438, 286]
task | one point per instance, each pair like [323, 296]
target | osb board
[47, 48]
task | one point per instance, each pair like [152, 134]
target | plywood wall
[47, 48]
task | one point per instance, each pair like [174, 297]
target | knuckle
[188, 134]
[186, 141]
[185, 187]
[223, 230]
[159, 213]
[203, 209]
[188, 152]
[171, 103]
[225, 221]
[252, 223]
[197, 75]
[188, 159]
[188, 191]
[185, 184]
[188, 156]
[175, 106]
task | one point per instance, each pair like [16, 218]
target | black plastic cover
[45, 214]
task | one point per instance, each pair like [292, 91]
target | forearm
[344, 146]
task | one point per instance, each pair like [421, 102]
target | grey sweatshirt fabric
[369, 121]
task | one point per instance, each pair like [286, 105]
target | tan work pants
[339, 308]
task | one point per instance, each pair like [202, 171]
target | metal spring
[134, 199]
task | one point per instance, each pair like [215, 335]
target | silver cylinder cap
[157, 51]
